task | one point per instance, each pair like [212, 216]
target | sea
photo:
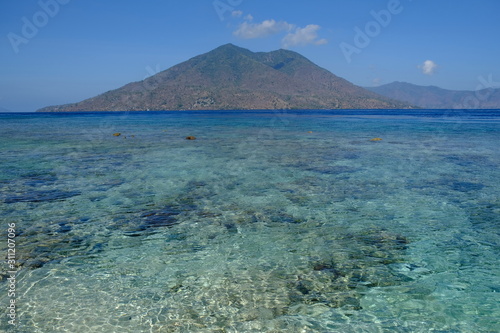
[265, 221]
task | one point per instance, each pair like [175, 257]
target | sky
[63, 51]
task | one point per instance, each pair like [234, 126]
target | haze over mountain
[233, 78]
[431, 97]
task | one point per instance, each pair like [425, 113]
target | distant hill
[431, 97]
[231, 77]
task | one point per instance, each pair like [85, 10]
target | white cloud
[237, 13]
[248, 30]
[296, 36]
[303, 36]
[428, 67]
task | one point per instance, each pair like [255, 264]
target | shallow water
[267, 222]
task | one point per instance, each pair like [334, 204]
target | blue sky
[62, 51]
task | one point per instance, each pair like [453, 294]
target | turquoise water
[267, 222]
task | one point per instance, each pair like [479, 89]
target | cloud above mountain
[303, 36]
[249, 30]
[428, 67]
[296, 36]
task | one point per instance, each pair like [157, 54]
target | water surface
[285, 221]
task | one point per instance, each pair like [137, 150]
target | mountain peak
[231, 77]
[229, 47]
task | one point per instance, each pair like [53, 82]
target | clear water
[267, 222]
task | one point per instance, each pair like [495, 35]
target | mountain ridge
[233, 78]
[432, 97]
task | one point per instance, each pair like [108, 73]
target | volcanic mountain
[233, 78]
